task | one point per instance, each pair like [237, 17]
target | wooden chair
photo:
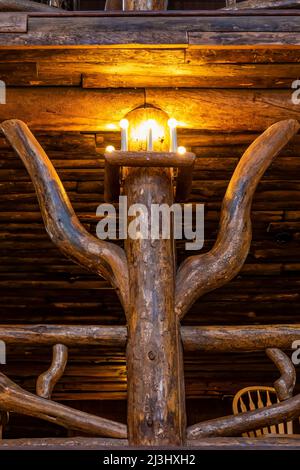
[252, 398]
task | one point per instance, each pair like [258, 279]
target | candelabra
[150, 169]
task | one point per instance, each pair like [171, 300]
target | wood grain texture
[219, 339]
[93, 335]
[150, 159]
[186, 75]
[224, 339]
[14, 398]
[285, 385]
[13, 23]
[60, 220]
[202, 273]
[47, 381]
[244, 39]
[73, 109]
[61, 108]
[159, 30]
[156, 403]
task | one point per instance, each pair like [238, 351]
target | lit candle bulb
[151, 124]
[124, 134]
[110, 149]
[173, 134]
[181, 150]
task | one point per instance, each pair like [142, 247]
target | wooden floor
[229, 443]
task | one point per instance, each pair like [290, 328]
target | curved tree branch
[285, 385]
[14, 398]
[61, 222]
[235, 425]
[200, 274]
[47, 381]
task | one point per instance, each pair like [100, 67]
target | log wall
[225, 97]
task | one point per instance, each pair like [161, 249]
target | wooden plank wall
[68, 97]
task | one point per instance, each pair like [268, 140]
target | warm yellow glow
[110, 149]
[147, 130]
[152, 123]
[124, 123]
[111, 127]
[172, 123]
[181, 150]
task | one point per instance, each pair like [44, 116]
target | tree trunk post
[156, 396]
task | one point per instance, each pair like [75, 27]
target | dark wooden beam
[218, 339]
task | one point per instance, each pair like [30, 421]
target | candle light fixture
[154, 293]
[124, 134]
[148, 138]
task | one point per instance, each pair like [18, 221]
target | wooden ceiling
[68, 94]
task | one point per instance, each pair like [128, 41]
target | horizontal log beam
[108, 28]
[217, 339]
[46, 109]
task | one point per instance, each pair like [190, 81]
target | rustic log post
[156, 403]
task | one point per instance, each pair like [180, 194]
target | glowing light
[181, 150]
[152, 123]
[111, 127]
[172, 123]
[110, 149]
[124, 123]
[151, 126]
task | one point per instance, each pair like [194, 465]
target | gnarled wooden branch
[61, 222]
[285, 385]
[287, 410]
[14, 398]
[200, 274]
[235, 425]
[25, 5]
[47, 381]
[263, 4]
